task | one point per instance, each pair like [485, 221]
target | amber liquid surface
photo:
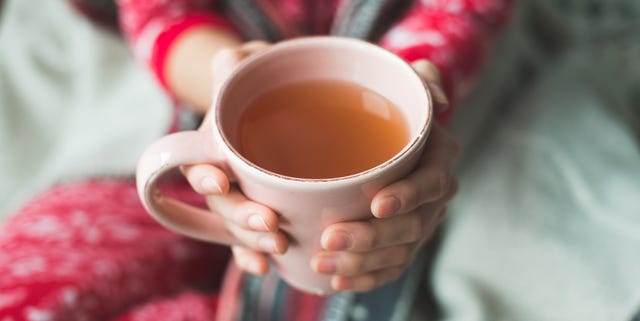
[320, 129]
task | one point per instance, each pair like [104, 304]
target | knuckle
[372, 241]
[386, 276]
[409, 195]
[429, 185]
[425, 221]
[417, 227]
[240, 212]
[457, 149]
[442, 215]
[369, 237]
[355, 266]
[404, 254]
[368, 282]
[249, 240]
[453, 189]
[455, 185]
[396, 273]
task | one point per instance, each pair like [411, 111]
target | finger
[367, 282]
[431, 75]
[373, 234]
[427, 183]
[251, 261]
[254, 224]
[454, 186]
[225, 61]
[440, 100]
[206, 122]
[253, 47]
[440, 140]
[442, 216]
[361, 236]
[206, 179]
[269, 242]
[422, 186]
[353, 263]
[427, 70]
[244, 213]
[222, 65]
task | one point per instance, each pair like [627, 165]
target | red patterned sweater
[88, 251]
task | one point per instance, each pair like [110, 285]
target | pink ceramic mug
[307, 206]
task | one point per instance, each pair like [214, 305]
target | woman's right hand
[253, 224]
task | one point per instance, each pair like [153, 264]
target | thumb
[430, 74]
[250, 261]
[222, 65]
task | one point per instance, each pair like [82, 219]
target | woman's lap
[88, 251]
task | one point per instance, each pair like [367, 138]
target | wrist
[182, 53]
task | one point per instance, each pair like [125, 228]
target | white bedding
[547, 222]
[72, 102]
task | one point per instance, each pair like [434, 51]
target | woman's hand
[253, 224]
[360, 255]
[363, 255]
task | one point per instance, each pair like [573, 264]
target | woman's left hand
[363, 255]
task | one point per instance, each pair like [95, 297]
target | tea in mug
[320, 129]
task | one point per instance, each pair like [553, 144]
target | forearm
[177, 40]
[187, 68]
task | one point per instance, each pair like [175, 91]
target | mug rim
[417, 141]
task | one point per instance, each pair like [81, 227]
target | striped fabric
[454, 34]
[363, 19]
[269, 298]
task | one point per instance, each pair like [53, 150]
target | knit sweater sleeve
[455, 35]
[152, 26]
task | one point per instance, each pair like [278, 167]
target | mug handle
[166, 154]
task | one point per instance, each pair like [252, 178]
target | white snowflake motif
[79, 219]
[46, 226]
[124, 232]
[28, 266]
[455, 6]
[105, 269]
[12, 298]
[144, 44]
[34, 314]
[69, 296]
[181, 251]
[400, 37]
[92, 235]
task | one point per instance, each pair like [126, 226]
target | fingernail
[388, 206]
[341, 284]
[209, 184]
[247, 265]
[338, 240]
[257, 223]
[420, 66]
[252, 268]
[268, 244]
[439, 98]
[327, 265]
